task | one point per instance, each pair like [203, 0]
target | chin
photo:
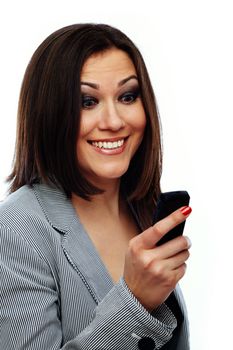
[111, 173]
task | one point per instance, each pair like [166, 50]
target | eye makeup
[88, 101]
[130, 95]
[126, 95]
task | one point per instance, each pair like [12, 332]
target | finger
[174, 219]
[175, 275]
[178, 260]
[167, 275]
[172, 248]
[153, 234]
[180, 271]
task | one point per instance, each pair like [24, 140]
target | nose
[110, 117]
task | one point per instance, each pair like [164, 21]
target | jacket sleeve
[29, 311]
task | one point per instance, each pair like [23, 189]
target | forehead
[113, 62]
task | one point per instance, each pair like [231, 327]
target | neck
[108, 202]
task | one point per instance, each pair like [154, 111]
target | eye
[88, 102]
[129, 96]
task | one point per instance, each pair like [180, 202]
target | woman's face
[112, 117]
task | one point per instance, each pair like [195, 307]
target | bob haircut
[49, 118]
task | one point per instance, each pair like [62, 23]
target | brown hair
[49, 117]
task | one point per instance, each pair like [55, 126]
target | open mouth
[104, 144]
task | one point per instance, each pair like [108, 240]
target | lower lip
[112, 151]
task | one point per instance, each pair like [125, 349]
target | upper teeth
[108, 144]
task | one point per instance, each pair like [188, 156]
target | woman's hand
[151, 273]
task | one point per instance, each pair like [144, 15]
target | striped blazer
[56, 292]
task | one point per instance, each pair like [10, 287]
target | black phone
[167, 203]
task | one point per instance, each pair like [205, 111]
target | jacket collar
[56, 207]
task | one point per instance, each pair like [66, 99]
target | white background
[187, 46]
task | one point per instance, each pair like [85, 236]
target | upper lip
[111, 139]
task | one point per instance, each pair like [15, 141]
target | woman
[76, 274]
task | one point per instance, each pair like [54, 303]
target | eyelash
[92, 101]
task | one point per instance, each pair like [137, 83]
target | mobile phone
[167, 203]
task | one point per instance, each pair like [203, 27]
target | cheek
[86, 125]
[142, 123]
[139, 122]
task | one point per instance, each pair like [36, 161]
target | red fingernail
[186, 210]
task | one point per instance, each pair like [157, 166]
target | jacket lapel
[86, 261]
[76, 244]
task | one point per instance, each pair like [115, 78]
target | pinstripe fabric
[55, 290]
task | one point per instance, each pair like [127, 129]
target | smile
[108, 144]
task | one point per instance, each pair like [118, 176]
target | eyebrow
[122, 82]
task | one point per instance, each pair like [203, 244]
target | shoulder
[23, 219]
[23, 213]
[36, 210]
[17, 204]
